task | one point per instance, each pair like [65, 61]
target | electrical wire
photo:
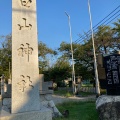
[88, 34]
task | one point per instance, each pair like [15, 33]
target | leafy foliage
[43, 52]
[59, 71]
[117, 28]
[5, 55]
[82, 61]
[103, 39]
[106, 41]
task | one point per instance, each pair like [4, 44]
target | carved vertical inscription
[25, 26]
[25, 50]
[25, 72]
[24, 83]
[26, 3]
[112, 66]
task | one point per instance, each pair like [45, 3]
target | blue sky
[53, 23]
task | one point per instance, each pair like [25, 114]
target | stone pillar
[108, 107]
[25, 72]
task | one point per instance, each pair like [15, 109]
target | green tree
[43, 53]
[82, 59]
[5, 55]
[60, 70]
[104, 39]
[117, 28]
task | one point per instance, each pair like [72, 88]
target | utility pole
[95, 62]
[73, 70]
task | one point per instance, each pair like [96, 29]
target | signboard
[112, 69]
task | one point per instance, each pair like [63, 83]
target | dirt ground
[60, 99]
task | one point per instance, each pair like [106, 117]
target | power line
[103, 19]
[83, 37]
[107, 16]
[104, 25]
[89, 34]
[96, 31]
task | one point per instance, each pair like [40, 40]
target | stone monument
[112, 69]
[25, 72]
[25, 103]
[108, 105]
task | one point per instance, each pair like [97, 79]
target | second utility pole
[95, 62]
[73, 70]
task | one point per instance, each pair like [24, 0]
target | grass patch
[85, 94]
[79, 110]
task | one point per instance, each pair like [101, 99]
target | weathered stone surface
[50, 84]
[48, 97]
[42, 98]
[6, 109]
[43, 86]
[25, 72]
[45, 97]
[108, 107]
[43, 114]
[7, 102]
[51, 104]
[44, 103]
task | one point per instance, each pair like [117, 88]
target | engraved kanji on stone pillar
[24, 83]
[25, 50]
[25, 71]
[25, 26]
[26, 3]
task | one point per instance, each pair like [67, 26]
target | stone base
[47, 102]
[43, 114]
[108, 107]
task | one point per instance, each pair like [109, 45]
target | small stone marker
[25, 72]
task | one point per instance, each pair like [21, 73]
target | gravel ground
[60, 99]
